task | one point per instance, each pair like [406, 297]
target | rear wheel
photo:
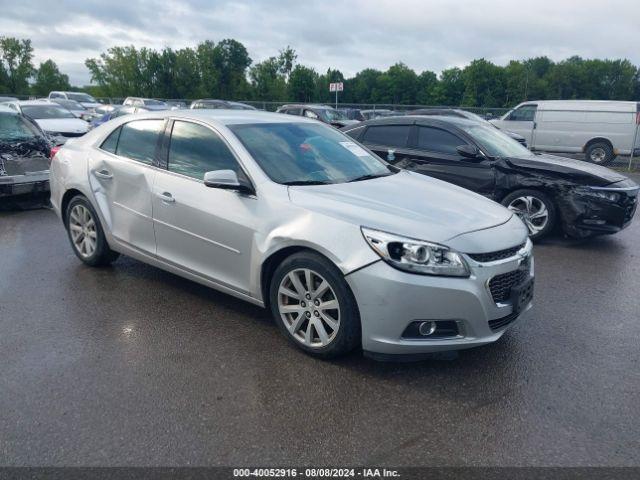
[535, 209]
[314, 307]
[600, 153]
[86, 234]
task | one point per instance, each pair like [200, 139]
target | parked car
[77, 109]
[379, 113]
[600, 129]
[352, 114]
[210, 103]
[455, 112]
[84, 99]
[323, 113]
[8, 99]
[543, 190]
[345, 249]
[56, 121]
[176, 104]
[147, 103]
[24, 156]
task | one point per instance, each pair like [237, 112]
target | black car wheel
[600, 153]
[314, 307]
[86, 234]
[535, 209]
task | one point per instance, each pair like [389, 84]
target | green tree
[231, 61]
[48, 78]
[268, 81]
[450, 88]
[483, 84]
[16, 60]
[302, 83]
[426, 88]
[287, 58]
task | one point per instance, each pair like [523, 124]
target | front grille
[500, 285]
[499, 323]
[498, 255]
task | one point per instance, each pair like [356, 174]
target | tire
[600, 153]
[526, 203]
[86, 235]
[303, 323]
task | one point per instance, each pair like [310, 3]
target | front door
[207, 231]
[121, 174]
[434, 153]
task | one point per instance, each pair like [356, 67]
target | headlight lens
[604, 194]
[416, 256]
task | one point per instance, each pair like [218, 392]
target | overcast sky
[348, 35]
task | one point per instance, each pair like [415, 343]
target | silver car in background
[346, 250]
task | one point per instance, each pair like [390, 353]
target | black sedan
[544, 190]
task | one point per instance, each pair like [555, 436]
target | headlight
[605, 194]
[416, 256]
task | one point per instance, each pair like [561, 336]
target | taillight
[53, 152]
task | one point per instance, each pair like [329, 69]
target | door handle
[166, 197]
[106, 174]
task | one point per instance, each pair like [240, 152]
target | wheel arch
[597, 140]
[66, 199]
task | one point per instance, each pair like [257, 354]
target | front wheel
[535, 209]
[314, 307]
[86, 234]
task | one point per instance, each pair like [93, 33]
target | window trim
[165, 147]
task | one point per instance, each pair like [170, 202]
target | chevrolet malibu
[345, 250]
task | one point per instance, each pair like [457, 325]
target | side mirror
[469, 151]
[227, 180]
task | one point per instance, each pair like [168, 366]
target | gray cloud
[350, 35]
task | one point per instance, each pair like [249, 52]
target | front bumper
[390, 300]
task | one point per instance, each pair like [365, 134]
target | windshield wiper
[369, 176]
[306, 182]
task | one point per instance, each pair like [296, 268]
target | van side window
[525, 113]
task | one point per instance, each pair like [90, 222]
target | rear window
[138, 140]
[391, 135]
[14, 128]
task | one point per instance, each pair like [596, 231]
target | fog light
[427, 328]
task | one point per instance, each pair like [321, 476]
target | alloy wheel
[82, 227]
[309, 307]
[532, 211]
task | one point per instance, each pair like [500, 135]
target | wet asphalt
[130, 365]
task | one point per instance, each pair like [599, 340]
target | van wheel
[535, 209]
[600, 153]
[314, 306]
[86, 234]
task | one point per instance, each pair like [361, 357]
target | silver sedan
[346, 250]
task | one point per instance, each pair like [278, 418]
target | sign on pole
[336, 87]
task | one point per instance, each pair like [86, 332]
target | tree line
[225, 70]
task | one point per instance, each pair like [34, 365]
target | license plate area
[521, 295]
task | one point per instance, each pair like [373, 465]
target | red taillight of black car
[53, 152]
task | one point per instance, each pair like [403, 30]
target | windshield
[475, 116]
[494, 142]
[70, 104]
[331, 115]
[81, 97]
[291, 153]
[40, 112]
[15, 128]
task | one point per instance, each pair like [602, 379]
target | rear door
[434, 153]
[122, 172]
[204, 230]
[389, 141]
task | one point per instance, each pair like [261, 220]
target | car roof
[417, 120]
[307, 105]
[224, 116]
[5, 109]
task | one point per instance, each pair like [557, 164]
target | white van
[601, 129]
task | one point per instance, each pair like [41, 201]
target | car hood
[24, 157]
[407, 204]
[577, 171]
[63, 125]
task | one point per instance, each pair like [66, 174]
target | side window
[55, 95]
[293, 111]
[437, 140]
[525, 113]
[127, 101]
[138, 103]
[138, 140]
[310, 114]
[388, 135]
[196, 149]
[355, 133]
[111, 142]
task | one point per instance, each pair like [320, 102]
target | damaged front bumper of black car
[601, 210]
[24, 168]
